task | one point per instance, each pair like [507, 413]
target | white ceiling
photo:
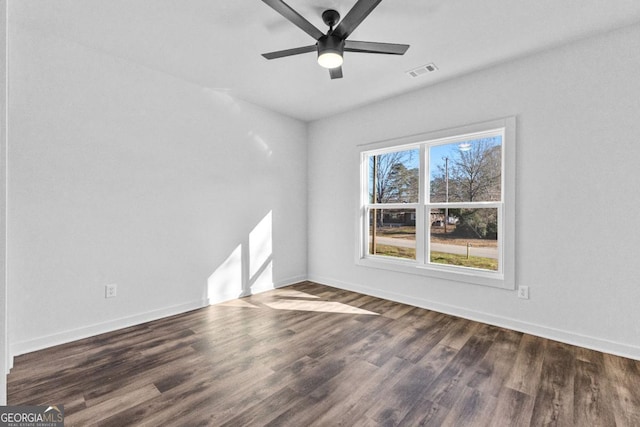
[217, 44]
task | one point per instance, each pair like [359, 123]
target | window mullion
[392, 205]
[423, 184]
[464, 205]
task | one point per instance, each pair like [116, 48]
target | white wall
[578, 145]
[179, 194]
[3, 203]
[182, 194]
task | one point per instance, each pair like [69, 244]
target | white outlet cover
[523, 292]
[110, 291]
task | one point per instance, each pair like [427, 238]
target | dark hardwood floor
[314, 355]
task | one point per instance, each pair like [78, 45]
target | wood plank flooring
[314, 355]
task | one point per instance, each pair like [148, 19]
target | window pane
[394, 177]
[468, 171]
[392, 232]
[468, 238]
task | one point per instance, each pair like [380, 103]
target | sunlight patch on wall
[260, 244]
[226, 281]
[260, 143]
[263, 280]
[222, 97]
[248, 269]
[260, 254]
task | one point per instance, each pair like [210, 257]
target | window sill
[456, 274]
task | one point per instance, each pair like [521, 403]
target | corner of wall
[4, 359]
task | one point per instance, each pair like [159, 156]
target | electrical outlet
[110, 291]
[523, 292]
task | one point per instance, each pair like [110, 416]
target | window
[441, 204]
[393, 191]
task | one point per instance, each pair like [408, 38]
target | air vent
[422, 70]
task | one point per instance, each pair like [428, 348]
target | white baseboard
[568, 337]
[280, 284]
[607, 346]
[46, 341]
[64, 337]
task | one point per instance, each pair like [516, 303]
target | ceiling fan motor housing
[331, 44]
[330, 50]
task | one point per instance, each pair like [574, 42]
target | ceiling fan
[334, 43]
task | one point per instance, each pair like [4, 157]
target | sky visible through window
[400, 168]
[438, 153]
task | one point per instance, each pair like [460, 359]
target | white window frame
[505, 276]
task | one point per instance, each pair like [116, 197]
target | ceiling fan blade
[285, 10]
[290, 52]
[374, 47]
[356, 15]
[335, 73]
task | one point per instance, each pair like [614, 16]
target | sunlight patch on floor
[318, 306]
[291, 293]
[237, 303]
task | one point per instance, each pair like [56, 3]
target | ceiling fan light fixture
[330, 59]
[330, 50]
